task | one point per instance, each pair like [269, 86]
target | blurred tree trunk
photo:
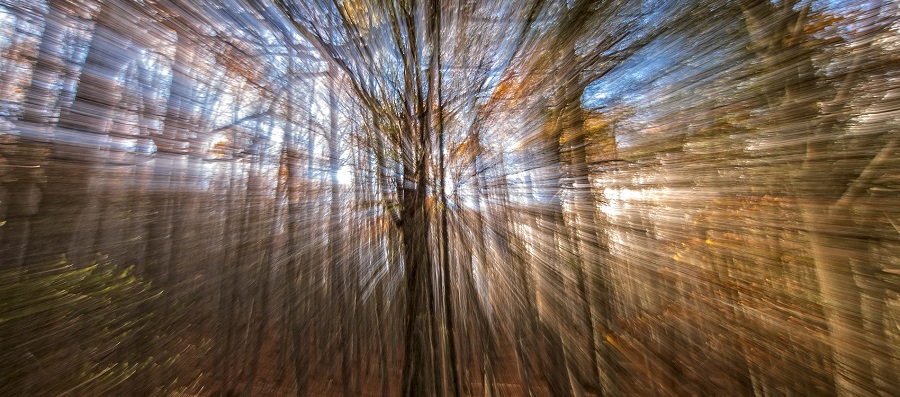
[293, 326]
[824, 192]
[838, 256]
[161, 196]
[259, 246]
[418, 366]
[336, 276]
[420, 375]
[451, 363]
[482, 290]
[42, 211]
[567, 132]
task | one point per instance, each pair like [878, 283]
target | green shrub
[82, 331]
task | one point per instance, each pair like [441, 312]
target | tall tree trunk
[449, 328]
[419, 356]
[292, 322]
[778, 31]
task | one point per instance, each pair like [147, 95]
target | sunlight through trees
[449, 198]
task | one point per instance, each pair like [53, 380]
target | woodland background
[448, 197]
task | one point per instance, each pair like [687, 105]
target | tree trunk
[419, 357]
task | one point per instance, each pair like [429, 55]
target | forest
[587, 198]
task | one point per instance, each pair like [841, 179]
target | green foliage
[76, 331]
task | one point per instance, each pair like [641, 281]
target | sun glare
[345, 176]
